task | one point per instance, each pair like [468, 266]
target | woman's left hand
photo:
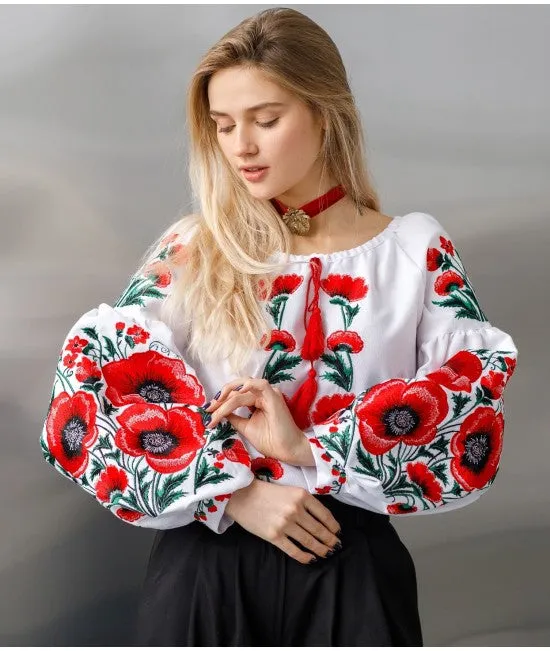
[271, 428]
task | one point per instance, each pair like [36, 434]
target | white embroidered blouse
[383, 353]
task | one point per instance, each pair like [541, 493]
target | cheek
[298, 145]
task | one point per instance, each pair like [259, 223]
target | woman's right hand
[274, 512]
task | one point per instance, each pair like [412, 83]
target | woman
[286, 370]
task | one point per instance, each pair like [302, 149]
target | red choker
[297, 219]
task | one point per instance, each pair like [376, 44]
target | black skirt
[235, 589]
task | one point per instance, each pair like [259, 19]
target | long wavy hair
[216, 291]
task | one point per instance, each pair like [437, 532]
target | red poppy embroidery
[267, 467]
[71, 429]
[128, 514]
[169, 439]
[458, 372]
[493, 384]
[510, 365]
[446, 245]
[352, 289]
[119, 326]
[395, 411]
[448, 282]
[112, 479]
[280, 340]
[476, 448]
[87, 371]
[76, 345]
[234, 450]
[70, 360]
[138, 334]
[286, 284]
[420, 474]
[327, 408]
[159, 273]
[346, 340]
[434, 259]
[150, 377]
[399, 508]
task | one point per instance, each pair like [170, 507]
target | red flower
[221, 498]
[110, 480]
[286, 284]
[323, 490]
[281, 340]
[169, 439]
[129, 515]
[159, 273]
[70, 359]
[168, 239]
[326, 457]
[446, 244]
[267, 467]
[315, 442]
[138, 334]
[447, 283]
[458, 372]
[235, 451]
[493, 384]
[327, 408]
[119, 326]
[395, 411]
[87, 371]
[352, 289]
[421, 475]
[476, 448]
[71, 429]
[76, 345]
[434, 259]
[398, 508]
[150, 377]
[175, 250]
[510, 365]
[345, 340]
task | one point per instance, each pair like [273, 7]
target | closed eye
[264, 125]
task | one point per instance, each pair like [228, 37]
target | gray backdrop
[455, 103]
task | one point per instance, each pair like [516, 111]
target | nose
[244, 143]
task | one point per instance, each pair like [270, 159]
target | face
[285, 137]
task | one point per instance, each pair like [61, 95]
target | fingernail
[313, 560]
[337, 547]
[217, 395]
[207, 419]
[239, 387]
[207, 405]
[329, 553]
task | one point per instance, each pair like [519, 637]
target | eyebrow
[250, 109]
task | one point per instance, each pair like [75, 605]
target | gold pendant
[297, 221]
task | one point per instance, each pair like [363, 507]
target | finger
[292, 550]
[260, 386]
[228, 407]
[234, 385]
[321, 513]
[305, 539]
[318, 529]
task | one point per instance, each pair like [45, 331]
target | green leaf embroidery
[460, 402]
[91, 332]
[110, 347]
[439, 471]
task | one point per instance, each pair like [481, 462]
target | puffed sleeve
[126, 418]
[432, 442]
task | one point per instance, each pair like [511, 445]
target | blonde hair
[214, 299]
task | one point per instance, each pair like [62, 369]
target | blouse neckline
[345, 253]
